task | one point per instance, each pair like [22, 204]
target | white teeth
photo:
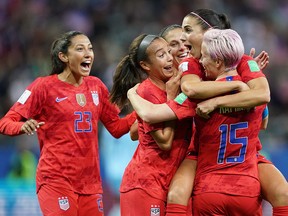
[183, 55]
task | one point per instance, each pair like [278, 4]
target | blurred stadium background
[28, 27]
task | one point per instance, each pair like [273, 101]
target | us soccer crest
[63, 203]
[155, 210]
[95, 97]
[81, 99]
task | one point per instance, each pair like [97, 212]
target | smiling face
[193, 35]
[160, 64]
[178, 50]
[80, 56]
[211, 66]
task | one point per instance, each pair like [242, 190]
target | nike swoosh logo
[60, 99]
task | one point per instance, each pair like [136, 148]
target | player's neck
[70, 78]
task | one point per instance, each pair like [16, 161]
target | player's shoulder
[147, 89]
[45, 78]
[190, 60]
[145, 86]
[93, 80]
[43, 81]
[96, 84]
[188, 64]
[248, 62]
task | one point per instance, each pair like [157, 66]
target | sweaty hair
[129, 72]
[210, 19]
[225, 45]
[61, 44]
[163, 33]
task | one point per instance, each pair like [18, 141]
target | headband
[143, 46]
[199, 17]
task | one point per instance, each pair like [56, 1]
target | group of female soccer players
[200, 106]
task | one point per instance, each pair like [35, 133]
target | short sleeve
[182, 106]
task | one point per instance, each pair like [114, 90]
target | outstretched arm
[13, 124]
[258, 94]
[194, 88]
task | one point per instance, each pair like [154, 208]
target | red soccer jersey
[191, 65]
[182, 106]
[69, 139]
[227, 161]
[151, 168]
[247, 68]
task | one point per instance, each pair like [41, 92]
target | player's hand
[262, 59]
[134, 131]
[173, 86]
[204, 108]
[31, 126]
[132, 90]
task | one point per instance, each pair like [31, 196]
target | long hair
[129, 72]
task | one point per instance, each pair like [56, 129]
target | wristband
[265, 113]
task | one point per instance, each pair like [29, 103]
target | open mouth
[168, 67]
[85, 65]
[183, 55]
